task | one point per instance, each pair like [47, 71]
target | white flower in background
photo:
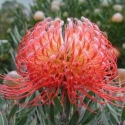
[105, 3]
[117, 17]
[39, 15]
[98, 23]
[105, 33]
[55, 5]
[121, 74]
[123, 45]
[55, 8]
[117, 7]
[16, 5]
[3, 41]
[62, 4]
[56, 2]
[65, 14]
[12, 75]
[81, 1]
[117, 52]
[87, 11]
[96, 11]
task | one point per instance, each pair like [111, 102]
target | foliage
[60, 114]
[9, 13]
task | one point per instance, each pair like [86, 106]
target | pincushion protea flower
[70, 60]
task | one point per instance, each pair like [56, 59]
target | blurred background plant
[10, 14]
[15, 19]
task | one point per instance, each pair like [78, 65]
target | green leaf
[97, 119]
[67, 106]
[90, 118]
[13, 120]
[123, 114]
[30, 110]
[33, 123]
[46, 110]
[22, 120]
[52, 120]
[46, 113]
[1, 103]
[114, 113]
[58, 104]
[104, 118]
[41, 110]
[25, 111]
[86, 99]
[87, 113]
[74, 118]
[3, 119]
[113, 120]
[39, 117]
[16, 33]
[13, 110]
[14, 39]
[22, 100]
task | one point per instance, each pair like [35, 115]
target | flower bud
[121, 74]
[65, 14]
[81, 1]
[96, 11]
[55, 2]
[55, 8]
[117, 7]
[123, 45]
[117, 52]
[12, 75]
[117, 18]
[39, 15]
[105, 3]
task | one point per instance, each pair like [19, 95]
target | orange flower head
[70, 59]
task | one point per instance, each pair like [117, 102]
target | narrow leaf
[113, 120]
[87, 113]
[52, 120]
[74, 118]
[33, 123]
[90, 118]
[22, 120]
[86, 99]
[123, 114]
[67, 106]
[105, 119]
[46, 110]
[30, 110]
[1, 103]
[58, 104]
[16, 33]
[13, 111]
[3, 119]
[25, 111]
[14, 39]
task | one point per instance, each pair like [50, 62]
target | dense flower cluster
[55, 58]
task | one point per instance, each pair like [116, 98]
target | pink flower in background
[74, 58]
